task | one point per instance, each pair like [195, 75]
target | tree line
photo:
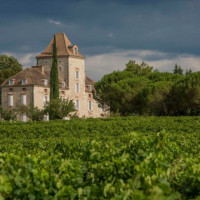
[140, 90]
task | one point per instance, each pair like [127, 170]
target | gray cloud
[108, 32]
[99, 65]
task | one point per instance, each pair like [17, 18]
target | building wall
[62, 66]
[17, 93]
[37, 95]
[76, 64]
[67, 67]
[41, 92]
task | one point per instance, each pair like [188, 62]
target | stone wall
[67, 67]
[17, 93]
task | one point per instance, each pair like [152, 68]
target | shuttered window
[77, 87]
[23, 118]
[10, 100]
[23, 99]
[90, 105]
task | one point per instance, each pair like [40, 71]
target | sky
[109, 33]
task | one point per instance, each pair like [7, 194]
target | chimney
[40, 68]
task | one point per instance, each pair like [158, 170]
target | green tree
[178, 69]
[59, 108]
[33, 113]
[185, 95]
[54, 80]
[9, 66]
[8, 115]
[188, 72]
[142, 69]
[118, 90]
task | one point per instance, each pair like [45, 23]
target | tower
[71, 67]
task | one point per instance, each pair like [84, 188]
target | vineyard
[154, 158]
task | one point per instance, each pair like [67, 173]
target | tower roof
[64, 47]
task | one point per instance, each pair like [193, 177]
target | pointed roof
[64, 47]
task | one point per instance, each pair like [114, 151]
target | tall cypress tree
[54, 80]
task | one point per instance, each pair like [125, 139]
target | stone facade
[74, 84]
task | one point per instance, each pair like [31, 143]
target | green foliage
[59, 109]
[188, 72]
[54, 80]
[9, 66]
[141, 70]
[33, 113]
[115, 158]
[178, 69]
[8, 115]
[140, 91]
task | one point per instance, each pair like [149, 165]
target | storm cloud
[168, 30]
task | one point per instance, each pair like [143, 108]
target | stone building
[31, 86]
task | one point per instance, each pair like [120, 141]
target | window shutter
[23, 99]
[10, 100]
[24, 118]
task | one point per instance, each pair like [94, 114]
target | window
[59, 61]
[11, 82]
[10, 89]
[45, 82]
[77, 74]
[10, 100]
[45, 91]
[77, 104]
[89, 87]
[77, 87]
[60, 69]
[46, 117]
[23, 89]
[63, 84]
[23, 81]
[75, 51]
[89, 96]
[89, 105]
[23, 99]
[23, 118]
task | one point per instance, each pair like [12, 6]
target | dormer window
[11, 82]
[75, 50]
[45, 82]
[23, 81]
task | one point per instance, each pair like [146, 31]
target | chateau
[31, 86]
